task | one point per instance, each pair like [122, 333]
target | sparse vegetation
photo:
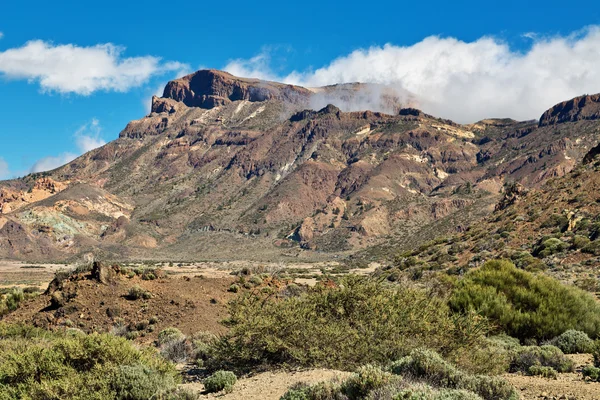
[423, 374]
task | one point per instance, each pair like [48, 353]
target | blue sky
[72, 73]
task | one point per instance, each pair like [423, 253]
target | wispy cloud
[69, 68]
[464, 81]
[87, 138]
[52, 162]
[1, 35]
[4, 170]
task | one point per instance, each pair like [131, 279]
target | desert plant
[177, 350]
[525, 305]
[429, 367]
[572, 342]
[340, 326]
[550, 246]
[136, 292]
[220, 380]
[169, 335]
[545, 372]
[545, 356]
[365, 380]
[591, 373]
[38, 364]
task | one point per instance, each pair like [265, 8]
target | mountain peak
[585, 107]
[210, 88]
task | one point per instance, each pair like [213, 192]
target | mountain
[230, 168]
[554, 228]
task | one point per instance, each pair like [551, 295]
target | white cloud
[464, 81]
[52, 162]
[87, 138]
[82, 70]
[4, 170]
[258, 66]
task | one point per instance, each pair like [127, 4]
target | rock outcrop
[210, 88]
[577, 109]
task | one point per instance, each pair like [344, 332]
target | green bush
[37, 364]
[573, 342]
[591, 373]
[11, 300]
[525, 305]
[220, 380]
[234, 288]
[545, 372]
[544, 356]
[136, 292]
[431, 394]
[319, 391]
[596, 353]
[360, 321]
[139, 382]
[550, 246]
[366, 379]
[592, 248]
[429, 367]
[170, 335]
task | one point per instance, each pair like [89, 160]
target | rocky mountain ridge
[226, 168]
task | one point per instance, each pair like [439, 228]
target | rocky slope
[554, 228]
[228, 167]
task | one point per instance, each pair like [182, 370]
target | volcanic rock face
[228, 167]
[577, 109]
[210, 88]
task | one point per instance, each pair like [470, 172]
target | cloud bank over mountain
[464, 81]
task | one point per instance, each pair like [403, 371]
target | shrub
[591, 373]
[234, 288]
[139, 382]
[38, 364]
[550, 246]
[431, 394]
[367, 378]
[580, 242]
[360, 321]
[136, 292]
[220, 380]
[546, 372]
[319, 391]
[429, 367]
[572, 342]
[202, 344]
[596, 353]
[525, 305]
[11, 300]
[169, 335]
[176, 350]
[592, 248]
[504, 341]
[545, 356]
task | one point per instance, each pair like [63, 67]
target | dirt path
[270, 385]
[566, 386]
